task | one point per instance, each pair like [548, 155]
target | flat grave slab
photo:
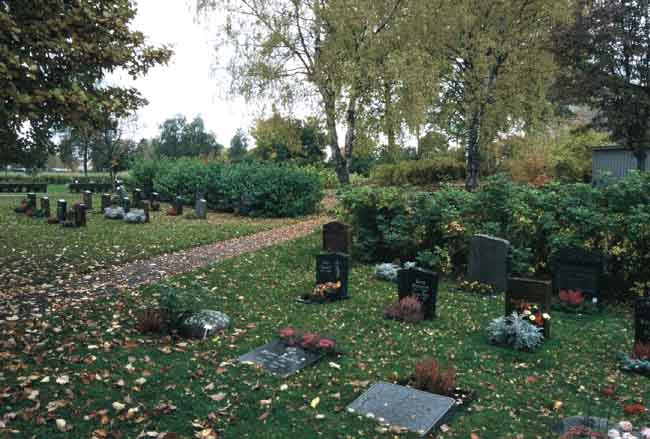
[400, 406]
[279, 359]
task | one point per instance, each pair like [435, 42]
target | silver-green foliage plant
[637, 365]
[516, 331]
[387, 271]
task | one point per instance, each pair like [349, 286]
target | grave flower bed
[523, 331]
[638, 361]
[574, 301]
[408, 309]
[308, 341]
[322, 292]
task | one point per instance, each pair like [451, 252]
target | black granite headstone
[333, 267]
[126, 204]
[80, 215]
[61, 208]
[87, 199]
[106, 201]
[578, 269]
[337, 237]
[489, 261]
[137, 198]
[279, 359]
[45, 206]
[31, 200]
[155, 202]
[399, 406]
[642, 320]
[423, 285]
[178, 205]
[530, 291]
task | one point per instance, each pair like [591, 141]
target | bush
[431, 377]
[408, 309]
[516, 331]
[418, 172]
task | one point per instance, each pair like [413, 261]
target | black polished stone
[279, 359]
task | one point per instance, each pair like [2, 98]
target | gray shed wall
[615, 162]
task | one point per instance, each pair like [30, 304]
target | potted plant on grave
[408, 309]
[573, 301]
[638, 361]
[523, 329]
[308, 341]
[430, 376]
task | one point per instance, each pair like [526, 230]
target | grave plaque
[61, 208]
[88, 199]
[279, 359]
[106, 201]
[423, 285]
[399, 406]
[126, 204]
[337, 237]
[201, 209]
[489, 261]
[31, 200]
[178, 205]
[575, 268]
[333, 267]
[530, 291]
[642, 320]
[45, 206]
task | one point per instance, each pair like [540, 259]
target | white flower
[527, 312]
[629, 436]
[645, 433]
[626, 426]
[613, 434]
[546, 316]
[532, 318]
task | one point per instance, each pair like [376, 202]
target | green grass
[33, 252]
[516, 391]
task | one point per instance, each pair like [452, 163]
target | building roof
[611, 148]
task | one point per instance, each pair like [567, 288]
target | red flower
[539, 320]
[564, 295]
[633, 409]
[326, 343]
[287, 332]
[309, 339]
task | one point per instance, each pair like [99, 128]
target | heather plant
[430, 376]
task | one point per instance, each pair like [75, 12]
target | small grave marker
[334, 267]
[399, 406]
[80, 215]
[61, 208]
[281, 360]
[489, 261]
[155, 201]
[642, 320]
[146, 209]
[533, 292]
[106, 201]
[137, 198]
[45, 206]
[575, 268]
[337, 237]
[178, 205]
[126, 204]
[87, 197]
[423, 285]
[31, 200]
[201, 209]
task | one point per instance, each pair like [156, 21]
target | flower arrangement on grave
[477, 288]
[638, 361]
[322, 292]
[521, 331]
[574, 301]
[533, 314]
[308, 341]
[408, 309]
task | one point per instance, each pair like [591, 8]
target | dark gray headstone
[337, 237]
[87, 198]
[334, 267]
[201, 209]
[400, 406]
[45, 206]
[530, 291]
[204, 324]
[575, 268]
[147, 209]
[126, 204]
[106, 201]
[61, 208]
[137, 198]
[642, 320]
[178, 205]
[80, 215]
[155, 202]
[279, 359]
[489, 261]
[423, 285]
[31, 200]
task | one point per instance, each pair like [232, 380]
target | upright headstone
[578, 269]
[31, 200]
[489, 261]
[178, 205]
[126, 204]
[334, 267]
[137, 198]
[45, 206]
[337, 237]
[88, 199]
[155, 201]
[146, 209]
[80, 215]
[61, 209]
[421, 284]
[106, 201]
[532, 292]
[642, 320]
[201, 209]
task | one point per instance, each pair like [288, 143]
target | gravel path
[138, 273]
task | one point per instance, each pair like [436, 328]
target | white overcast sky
[188, 85]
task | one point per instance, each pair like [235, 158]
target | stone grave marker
[31, 200]
[61, 208]
[155, 201]
[87, 198]
[533, 292]
[201, 209]
[204, 324]
[106, 201]
[334, 267]
[146, 209]
[137, 198]
[337, 237]
[399, 406]
[575, 268]
[642, 320]
[279, 359]
[421, 284]
[45, 206]
[80, 215]
[126, 204]
[178, 205]
[489, 261]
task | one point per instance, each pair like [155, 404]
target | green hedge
[418, 172]
[55, 178]
[250, 189]
[391, 223]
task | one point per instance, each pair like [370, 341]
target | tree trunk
[340, 162]
[473, 151]
[388, 121]
[350, 135]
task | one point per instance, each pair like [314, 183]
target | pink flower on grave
[326, 343]
[309, 339]
[287, 332]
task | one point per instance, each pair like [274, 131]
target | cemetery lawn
[34, 253]
[87, 365]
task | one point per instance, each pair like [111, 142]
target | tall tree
[178, 138]
[606, 53]
[53, 57]
[297, 49]
[238, 146]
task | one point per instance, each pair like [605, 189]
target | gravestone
[137, 198]
[88, 199]
[421, 284]
[334, 267]
[642, 320]
[80, 215]
[31, 200]
[399, 406]
[201, 209]
[61, 208]
[106, 201]
[155, 202]
[203, 324]
[279, 359]
[126, 204]
[575, 268]
[45, 206]
[337, 237]
[178, 205]
[533, 292]
[146, 209]
[489, 261]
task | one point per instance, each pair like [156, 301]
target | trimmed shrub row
[391, 223]
[250, 189]
[418, 172]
